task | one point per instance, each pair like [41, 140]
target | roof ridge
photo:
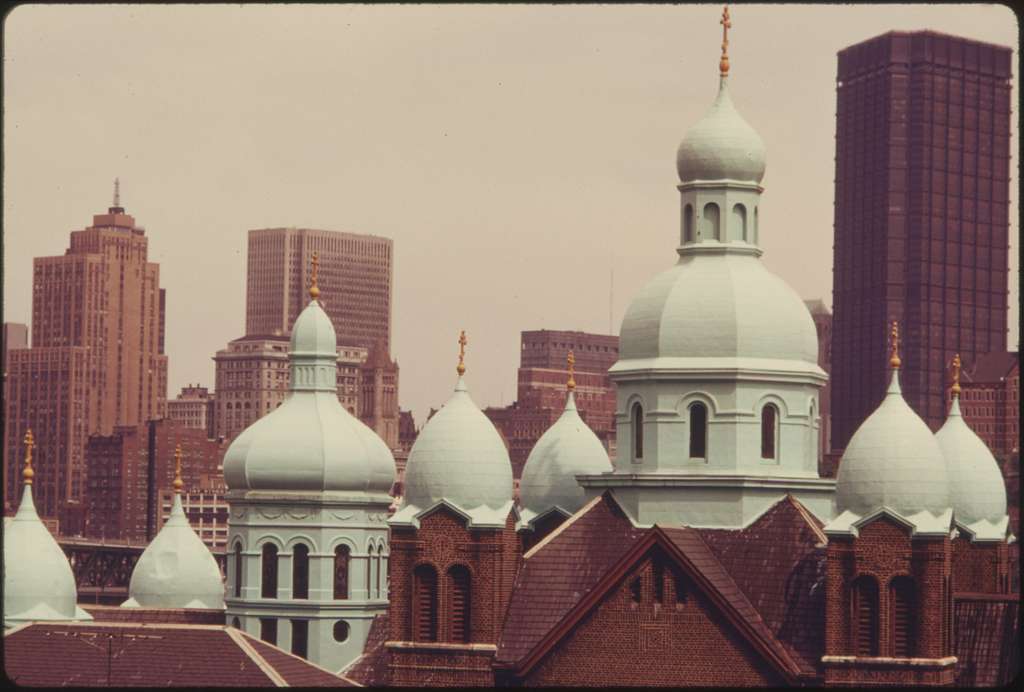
[808, 517]
[563, 526]
[307, 661]
[239, 638]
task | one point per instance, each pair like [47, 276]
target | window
[865, 616]
[424, 610]
[769, 430]
[659, 581]
[901, 618]
[377, 567]
[268, 589]
[341, 572]
[369, 571]
[679, 586]
[268, 630]
[688, 224]
[236, 624]
[300, 571]
[712, 220]
[638, 432]
[635, 589]
[739, 222]
[461, 603]
[340, 631]
[300, 638]
[238, 570]
[698, 430]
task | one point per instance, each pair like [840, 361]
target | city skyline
[497, 171]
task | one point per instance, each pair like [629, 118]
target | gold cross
[314, 290]
[956, 374]
[572, 362]
[177, 470]
[461, 369]
[30, 442]
[723, 64]
[894, 345]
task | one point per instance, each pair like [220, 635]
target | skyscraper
[921, 215]
[96, 359]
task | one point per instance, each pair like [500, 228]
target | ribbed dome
[310, 442]
[718, 305]
[567, 448]
[458, 458]
[976, 484]
[176, 570]
[893, 461]
[721, 146]
[38, 581]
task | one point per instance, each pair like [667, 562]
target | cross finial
[177, 470]
[956, 375]
[461, 369]
[314, 290]
[28, 474]
[117, 192]
[894, 345]
[571, 360]
[723, 64]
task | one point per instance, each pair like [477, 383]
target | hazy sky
[517, 155]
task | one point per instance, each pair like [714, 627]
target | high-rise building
[990, 401]
[97, 359]
[822, 317]
[378, 407]
[15, 336]
[921, 215]
[193, 408]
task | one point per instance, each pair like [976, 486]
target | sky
[521, 157]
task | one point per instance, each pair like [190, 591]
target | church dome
[566, 449]
[718, 305]
[721, 146]
[310, 442]
[176, 570]
[38, 581]
[460, 460]
[977, 491]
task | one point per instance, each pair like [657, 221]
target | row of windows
[698, 414]
[902, 617]
[375, 571]
[458, 594]
[712, 228]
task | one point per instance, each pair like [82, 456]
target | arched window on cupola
[688, 223]
[341, 555]
[769, 431]
[637, 427]
[756, 231]
[268, 585]
[424, 607]
[460, 598]
[713, 220]
[300, 571]
[739, 222]
[902, 616]
[698, 430]
[369, 571]
[379, 566]
[238, 569]
[864, 616]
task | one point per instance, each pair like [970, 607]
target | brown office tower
[97, 357]
[921, 216]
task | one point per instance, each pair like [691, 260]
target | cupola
[176, 570]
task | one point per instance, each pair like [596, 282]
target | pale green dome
[566, 449]
[721, 146]
[176, 570]
[310, 442]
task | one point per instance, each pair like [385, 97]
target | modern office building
[15, 336]
[921, 215]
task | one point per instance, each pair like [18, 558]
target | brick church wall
[979, 567]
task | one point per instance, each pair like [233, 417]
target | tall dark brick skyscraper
[921, 215]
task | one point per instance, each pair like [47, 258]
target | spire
[723, 64]
[314, 290]
[117, 192]
[571, 360]
[894, 346]
[177, 471]
[461, 368]
[28, 474]
[955, 389]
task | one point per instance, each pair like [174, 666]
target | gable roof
[55, 654]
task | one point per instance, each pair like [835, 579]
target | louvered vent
[902, 600]
[425, 608]
[865, 604]
[458, 577]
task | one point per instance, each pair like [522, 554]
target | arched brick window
[461, 603]
[864, 604]
[341, 572]
[268, 586]
[300, 571]
[902, 616]
[638, 432]
[769, 431]
[424, 610]
[238, 569]
[698, 430]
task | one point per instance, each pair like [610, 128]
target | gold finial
[28, 474]
[723, 64]
[314, 290]
[956, 375]
[894, 345]
[177, 470]
[571, 360]
[461, 369]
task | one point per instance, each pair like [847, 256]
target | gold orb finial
[28, 474]
[956, 375]
[461, 368]
[723, 64]
[571, 360]
[894, 346]
[314, 290]
[177, 470]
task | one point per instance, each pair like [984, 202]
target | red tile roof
[987, 641]
[778, 565]
[370, 669]
[147, 655]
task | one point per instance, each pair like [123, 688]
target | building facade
[194, 407]
[15, 336]
[378, 390]
[205, 508]
[97, 360]
[990, 401]
[921, 214]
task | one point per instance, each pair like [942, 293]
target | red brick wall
[979, 567]
[621, 642]
[440, 666]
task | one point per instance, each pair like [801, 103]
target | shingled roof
[370, 669]
[90, 654]
[987, 640]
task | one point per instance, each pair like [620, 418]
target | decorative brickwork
[980, 567]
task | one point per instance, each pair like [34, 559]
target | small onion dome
[566, 449]
[310, 442]
[718, 305]
[721, 146]
[976, 483]
[458, 460]
[894, 465]
[176, 570]
[38, 581]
